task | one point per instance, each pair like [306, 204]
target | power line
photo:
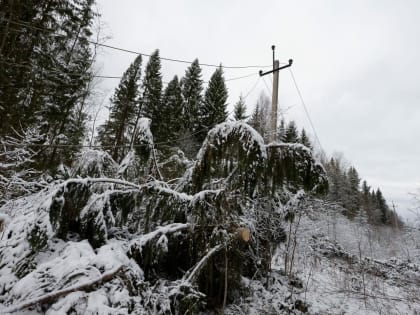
[21, 23]
[30, 67]
[242, 77]
[305, 108]
[226, 80]
[253, 87]
[265, 83]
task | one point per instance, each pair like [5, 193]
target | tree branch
[167, 229]
[190, 275]
[107, 276]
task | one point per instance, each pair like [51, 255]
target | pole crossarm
[278, 69]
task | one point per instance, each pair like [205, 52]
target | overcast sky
[356, 63]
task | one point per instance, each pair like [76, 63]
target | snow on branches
[179, 247]
[234, 156]
[17, 160]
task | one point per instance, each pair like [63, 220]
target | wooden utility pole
[274, 100]
[274, 97]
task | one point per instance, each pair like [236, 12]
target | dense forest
[172, 205]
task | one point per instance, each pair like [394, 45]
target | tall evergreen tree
[44, 76]
[281, 131]
[170, 124]
[255, 119]
[337, 180]
[239, 111]
[365, 200]
[291, 135]
[260, 116]
[382, 207]
[352, 196]
[354, 179]
[118, 130]
[152, 93]
[305, 140]
[192, 88]
[366, 203]
[213, 110]
[334, 174]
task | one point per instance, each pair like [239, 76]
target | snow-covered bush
[94, 163]
[232, 156]
[18, 165]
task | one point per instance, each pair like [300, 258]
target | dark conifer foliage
[281, 134]
[255, 119]
[239, 111]
[259, 119]
[118, 130]
[352, 200]
[192, 88]
[291, 134]
[305, 140]
[150, 105]
[382, 207]
[45, 68]
[213, 110]
[170, 124]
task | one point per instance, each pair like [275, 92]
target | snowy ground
[340, 267]
[351, 268]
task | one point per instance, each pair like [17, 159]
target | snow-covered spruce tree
[116, 134]
[147, 248]
[235, 161]
[213, 110]
[138, 164]
[95, 164]
[292, 167]
[239, 111]
[233, 154]
[150, 104]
